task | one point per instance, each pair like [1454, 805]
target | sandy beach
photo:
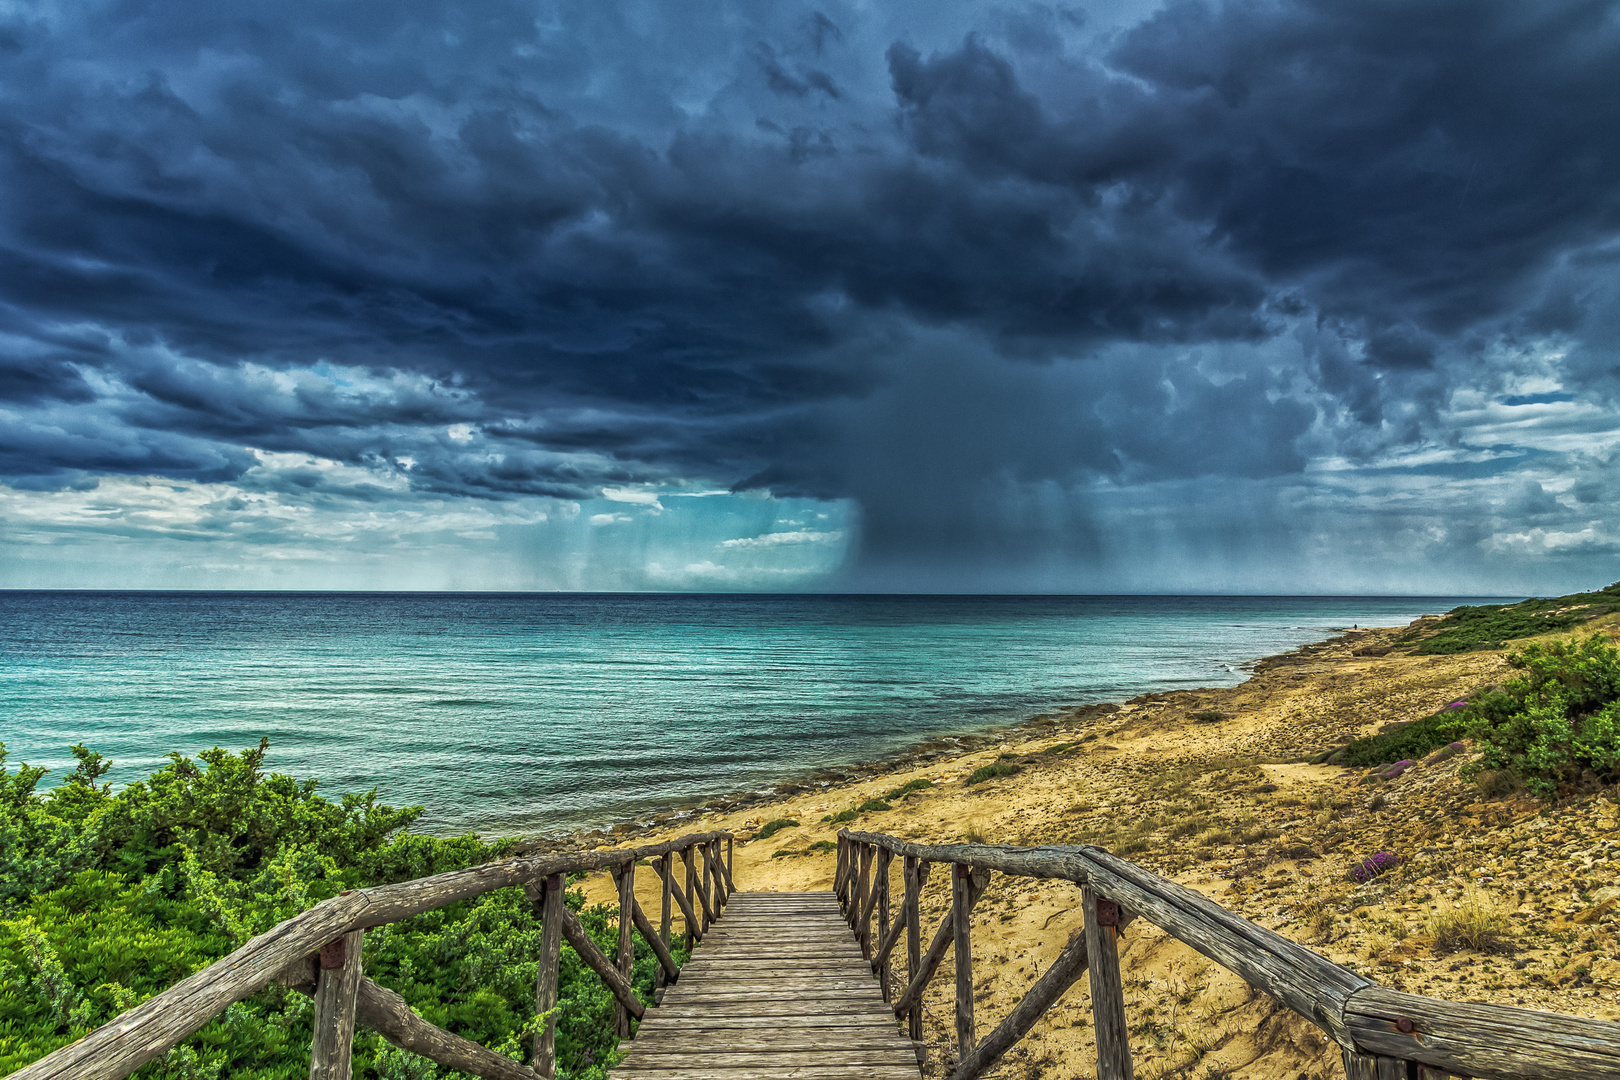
[1211, 788]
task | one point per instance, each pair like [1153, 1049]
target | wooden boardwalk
[777, 989]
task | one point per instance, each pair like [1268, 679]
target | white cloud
[637, 496]
[609, 519]
[797, 536]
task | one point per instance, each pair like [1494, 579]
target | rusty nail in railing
[332, 955]
[1405, 1026]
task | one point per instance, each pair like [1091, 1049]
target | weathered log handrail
[1383, 1033]
[286, 950]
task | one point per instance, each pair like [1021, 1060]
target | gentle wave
[550, 712]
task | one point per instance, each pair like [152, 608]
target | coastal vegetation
[1556, 727]
[771, 828]
[1491, 626]
[107, 898]
[990, 772]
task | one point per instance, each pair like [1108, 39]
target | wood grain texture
[666, 961]
[962, 956]
[1311, 985]
[661, 868]
[545, 987]
[753, 1002]
[912, 995]
[680, 895]
[1484, 1040]
[1107, 992]
[723, 865]
[599, 963]
[916, 871]
[870, 893]
[625, 877]
[711, 913]
[386, 1012]
[331, 1054]
[1068, 967]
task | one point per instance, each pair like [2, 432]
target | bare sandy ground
[1209, 788]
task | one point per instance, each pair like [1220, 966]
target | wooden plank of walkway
[778, 989]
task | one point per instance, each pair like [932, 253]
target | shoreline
[1213, 788]
[933, 750]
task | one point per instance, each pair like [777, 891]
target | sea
[553, 712]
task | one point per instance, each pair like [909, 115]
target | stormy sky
[1298, 296]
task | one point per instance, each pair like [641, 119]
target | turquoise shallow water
[545, 712]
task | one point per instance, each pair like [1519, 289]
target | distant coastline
[547, 714]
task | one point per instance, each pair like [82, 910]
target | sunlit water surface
[546, 712]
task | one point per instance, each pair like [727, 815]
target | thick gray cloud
[980, 270]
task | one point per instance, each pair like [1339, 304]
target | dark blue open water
[523, 712]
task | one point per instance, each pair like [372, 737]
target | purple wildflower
[1372, 866]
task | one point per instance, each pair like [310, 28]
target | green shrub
[781, 852]
[771, 828]
[1490, 626]
[908, 787]
[1558, 720]
[844, 815]
[821, 847]
[108, 899]
[990, 772]
[1416, 740]
[871, 805]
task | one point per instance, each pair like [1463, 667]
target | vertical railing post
[840, 884]
[863, 889]
[884, 857]
[717, 878]
[689, 860]
[545, 983]
[731, 866]
[914, 873]
[331, 1054]
[705, 894]
[626, 876]
[1376, 1067]
[666, 867]
[962, 950]
[1107, 990]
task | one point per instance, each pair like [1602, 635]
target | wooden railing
[319, 951]
[1385, 1034]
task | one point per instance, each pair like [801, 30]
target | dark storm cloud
[619, 242]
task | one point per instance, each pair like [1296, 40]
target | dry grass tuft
[1472, 921]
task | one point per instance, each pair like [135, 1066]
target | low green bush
[771, 828]
[1558, 724]
[919, 784]
[1490, 626]
[821, 847]
[871, 805]
[990, 772]
[844, 815]
[1415, 740]
[107, 899]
